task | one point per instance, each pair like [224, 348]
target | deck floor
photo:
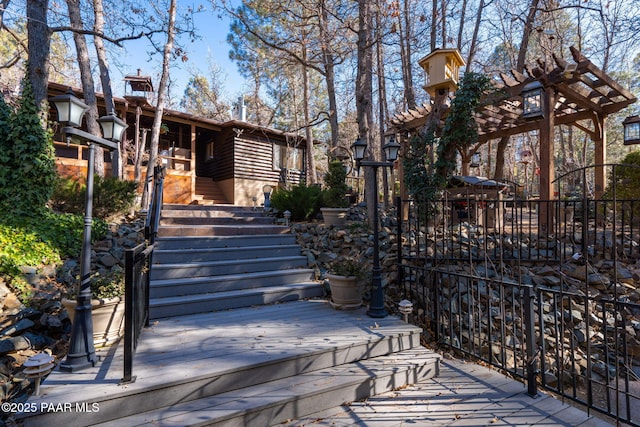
[464, 394]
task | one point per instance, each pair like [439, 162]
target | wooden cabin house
[207, 161]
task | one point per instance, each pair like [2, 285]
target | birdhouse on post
[442, 69]
[138, 88]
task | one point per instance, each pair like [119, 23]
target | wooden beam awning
[583, 91]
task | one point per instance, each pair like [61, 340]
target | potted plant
[107, 307]
[335, 204]
[347, 278]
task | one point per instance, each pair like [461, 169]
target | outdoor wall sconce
[532, 100]
[631, 130]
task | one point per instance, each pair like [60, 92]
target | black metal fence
[137, 264]
[547, 299]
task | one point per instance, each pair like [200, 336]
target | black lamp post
[391, 147]
[70, 112]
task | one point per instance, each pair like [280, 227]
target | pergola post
[547, 164]
[600, 142]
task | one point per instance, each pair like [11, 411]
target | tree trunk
[310, 161]
[474, 38]
[162, 94]
[364, 108]
[329, 69]
[404, 31]
[383, 111]
[39, 36]
[105, 80]
[88, 87]
[522, 56]
[434, 24]
[463, 13]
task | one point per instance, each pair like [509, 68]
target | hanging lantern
[476, 160]
[631, 130]
[532, 100]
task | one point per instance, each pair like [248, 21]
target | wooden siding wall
[223, 154]
[254, 160]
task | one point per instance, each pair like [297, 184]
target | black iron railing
[138, 262]
[489, 275]
[136, 299]
[580, 346]
[155, 205]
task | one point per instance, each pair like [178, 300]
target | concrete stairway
[210, 258]
[208, 192]
[254, 366]
[257, 365]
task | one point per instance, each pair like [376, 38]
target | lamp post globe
[391, 148]
[112, 127]
[70, 109]
[359, 147]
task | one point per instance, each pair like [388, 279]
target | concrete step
[220, 230]
[214, 208]
[219, 268]
[276, 401]
[198, 242]
[208, 213]
[231, 282]
[218, 301]
[211, 356]
[215, 220]
[208, 191]
[221, 254]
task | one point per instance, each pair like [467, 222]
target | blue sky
[212, 31]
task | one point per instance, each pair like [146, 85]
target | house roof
[56, 88]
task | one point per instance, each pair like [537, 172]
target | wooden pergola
[576, 93]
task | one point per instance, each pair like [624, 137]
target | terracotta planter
[346, 292]
[108, 319]
[334, 216]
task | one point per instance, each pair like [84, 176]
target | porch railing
[138, 263]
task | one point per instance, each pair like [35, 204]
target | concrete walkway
[463, 394]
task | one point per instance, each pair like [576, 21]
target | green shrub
[111, 196]
[37, 241]
[335, 194]
[103, 286]
[303, 202]
[627, 186]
